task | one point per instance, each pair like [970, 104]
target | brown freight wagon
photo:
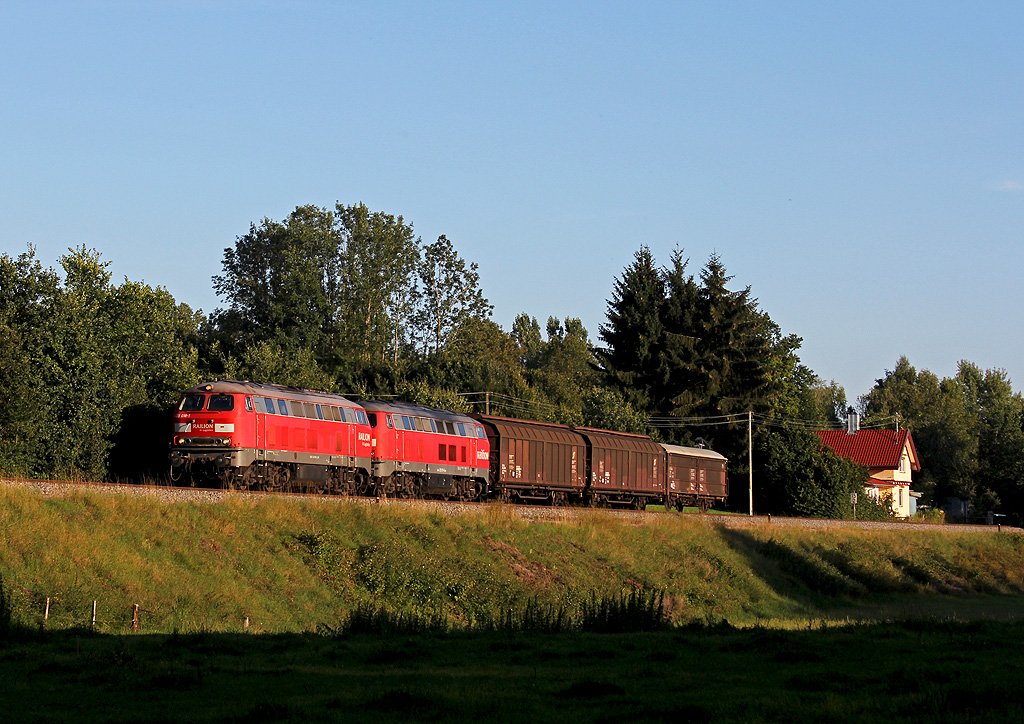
[535, 461]
[623, 469]
[696, 477]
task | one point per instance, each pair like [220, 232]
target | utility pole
[750, 456]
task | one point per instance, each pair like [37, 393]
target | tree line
[350, 300]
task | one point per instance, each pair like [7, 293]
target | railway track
[172, 494]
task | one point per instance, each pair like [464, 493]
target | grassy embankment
[293, 566]
[198, 570]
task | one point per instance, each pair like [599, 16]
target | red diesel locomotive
[264, 437]
[420, 451]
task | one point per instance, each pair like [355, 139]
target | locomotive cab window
[221, 403]
[268, 406]
[248, 403]
[192, 403]
[373, 419]
[361, 417]
[462, 429]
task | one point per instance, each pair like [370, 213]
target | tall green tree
[27, 294]
[482, 357]
[339, 283]
[526, 334]
[380, 256]
[92, 352]
[634, 333]
[735, 345]
[281, 283]
[450, 293]
[946, 434]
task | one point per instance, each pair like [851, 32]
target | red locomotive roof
[244, 387]
[871, 448]
[404, 408]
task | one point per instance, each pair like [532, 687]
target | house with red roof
[889, 456]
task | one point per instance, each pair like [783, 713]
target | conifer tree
[634, 334]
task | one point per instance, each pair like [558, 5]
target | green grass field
[916, 671]
[753, 625]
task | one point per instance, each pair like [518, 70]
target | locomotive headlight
[225, 441]
[179, 441]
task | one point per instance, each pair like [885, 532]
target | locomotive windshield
[192, 403]
[221, 403]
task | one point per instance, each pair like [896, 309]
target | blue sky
[859, 165]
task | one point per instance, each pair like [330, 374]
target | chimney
[852, 421]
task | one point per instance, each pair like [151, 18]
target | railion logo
[364, 437]
[482, 455]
